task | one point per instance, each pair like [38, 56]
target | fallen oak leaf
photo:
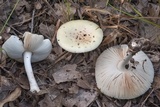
[67, 73]
[13, 96]
[82, 99]
[84, 84]
[110, 38]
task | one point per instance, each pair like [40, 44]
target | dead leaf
[23, 81]
[46, 30]
[5, 84]
[82, 99]
[23, 4]
[13, 96]
[156, 83]
[67, 73]
[157, 93]
[110, 38]
[64, 11]
[128, 104]
[83, 84]
[73, 89]
[150, 32]
[154, 10]
[52, 99]
[2, 58]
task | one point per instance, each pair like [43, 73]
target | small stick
[32, 21]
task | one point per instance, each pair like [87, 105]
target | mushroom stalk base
[28, 67]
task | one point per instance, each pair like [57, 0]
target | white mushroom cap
[13, 47]
[34, 43]
[123, 82]
[79, 36]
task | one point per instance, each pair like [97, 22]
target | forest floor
[75, 85]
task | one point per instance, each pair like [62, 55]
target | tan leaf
[67, 73]
[82, 99]
[13, 96]
[156, 83]
[111, 37]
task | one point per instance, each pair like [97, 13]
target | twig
[32, 21]
[27, 20]
[147, 97]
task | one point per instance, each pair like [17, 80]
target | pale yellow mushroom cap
[79, 36]
[126, 83]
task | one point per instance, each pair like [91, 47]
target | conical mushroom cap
[79, 36]
[124, 83]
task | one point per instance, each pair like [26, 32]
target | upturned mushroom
[79, 36]
[35, 48]
[124, 73]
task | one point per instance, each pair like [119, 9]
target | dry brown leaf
[4, 81]
[46, 30]
[128, 104]
[2, 59]
[20, 7]
[73, 89]
[154, 10]
[150, 32]
[108, 103]
[48, 101]
[64, 11]
[82, 99]
[67, 73]
[110, 38]
[23, 81]
[83, 84]
[13, 96]
[156, 83]
[5, 84]
[157, 93]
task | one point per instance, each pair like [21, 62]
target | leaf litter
[66, 79]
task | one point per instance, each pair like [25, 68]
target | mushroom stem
[125, 62]
[28, 67]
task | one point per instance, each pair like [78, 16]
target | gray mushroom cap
[121, 82]
[79, 36]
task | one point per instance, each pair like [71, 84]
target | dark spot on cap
[84, 34]
[127, 66]
[133, 67]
